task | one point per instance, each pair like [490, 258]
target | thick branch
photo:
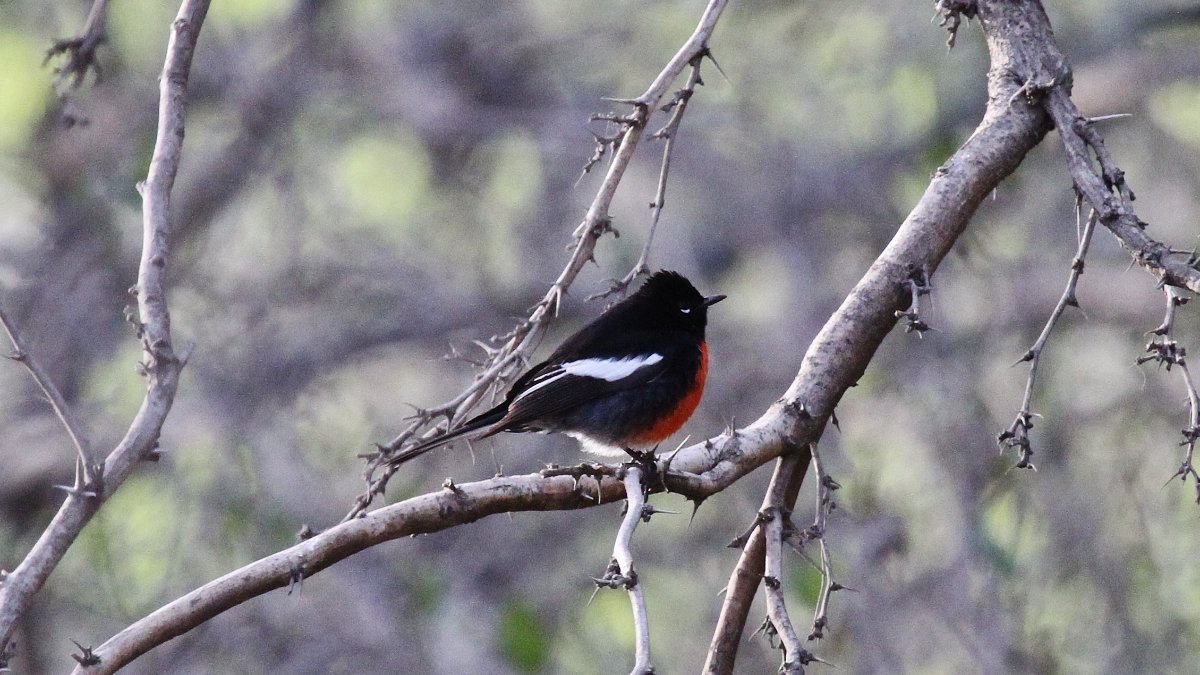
[154, 328]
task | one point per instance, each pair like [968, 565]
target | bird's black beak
[713, 299]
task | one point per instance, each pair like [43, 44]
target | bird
[621, 384]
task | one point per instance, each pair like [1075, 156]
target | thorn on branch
[80, 55]
[952, 13]
[918, 285]
[86, 657]
[296, 576]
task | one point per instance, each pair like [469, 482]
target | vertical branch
[775, 521]
[1017, 434]
[790, 471]
[825, 487]
[1167, 352]
[160, 365]
[621, 573]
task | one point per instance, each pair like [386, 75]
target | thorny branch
[89, 471]
[774, 522]
[81, 49]
[790, 471]
[1165, 351]
[621, 572]
[160, 365]
[778, 623]
[677, 106]
[1105, 190]
[508, 354]
[1017, 434]
[825, 504]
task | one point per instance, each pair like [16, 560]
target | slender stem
[623, 554]
[1017, 434]
[88, 478]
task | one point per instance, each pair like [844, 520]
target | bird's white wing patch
[610, 370]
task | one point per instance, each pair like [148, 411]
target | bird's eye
[686, 310]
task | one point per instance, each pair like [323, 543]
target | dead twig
[1017, 434]
[89, 470]
[1168, 353]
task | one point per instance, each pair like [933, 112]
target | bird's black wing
[554, 388]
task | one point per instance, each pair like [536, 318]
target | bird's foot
[597, 471]
[647, 461]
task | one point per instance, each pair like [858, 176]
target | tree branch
[160, 364]
[87, 478]
[743, 582]
[1109, 195]
[1017, 434]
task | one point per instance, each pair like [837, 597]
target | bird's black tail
[465, 429]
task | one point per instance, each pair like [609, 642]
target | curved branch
[160, 364]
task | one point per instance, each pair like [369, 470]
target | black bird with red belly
[623, 383]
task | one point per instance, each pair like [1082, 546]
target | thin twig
[1167, 352]
[677, 106]
[1017, 434]
[160, 365]
[623, 555]
[90, 474]
[775, 521]
[780, 624]
[790, 470]
[825, 503]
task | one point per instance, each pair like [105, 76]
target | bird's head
[674, 302]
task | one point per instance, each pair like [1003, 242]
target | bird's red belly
[673, 420]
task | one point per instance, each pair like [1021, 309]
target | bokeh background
[366, 184]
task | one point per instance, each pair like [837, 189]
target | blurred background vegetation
[365, 184]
